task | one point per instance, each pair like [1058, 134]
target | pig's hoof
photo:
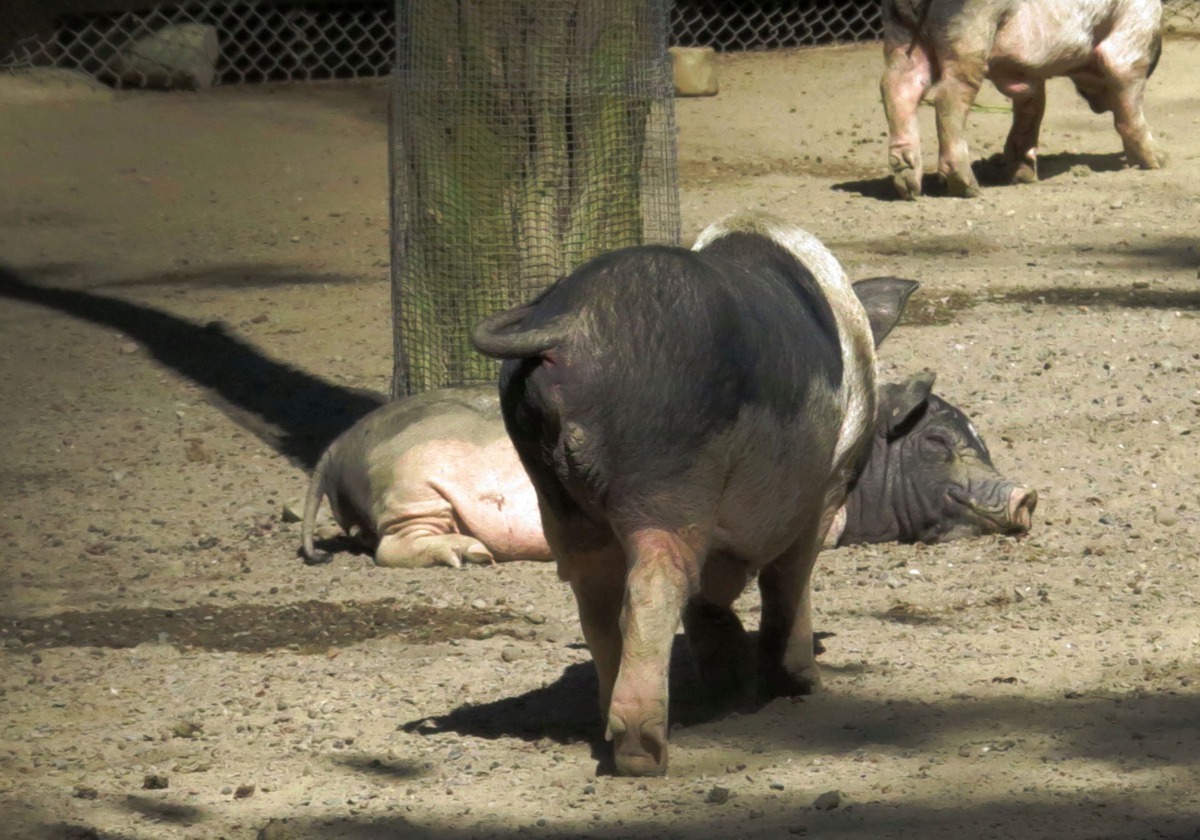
[1022, 173]
[907, 183]
[960, 187]
[785, 683]
[638, 750]
[317, 558]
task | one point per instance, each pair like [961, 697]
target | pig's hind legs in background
[906, 79]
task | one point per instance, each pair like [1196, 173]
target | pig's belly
[490, 496]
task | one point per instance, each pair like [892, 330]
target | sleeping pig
[433, 479]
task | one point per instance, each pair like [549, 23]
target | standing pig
[1108, 48]
[928, 477]
[692, 419]
[418, 479]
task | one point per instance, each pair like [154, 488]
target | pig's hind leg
[787, 661]
[906, 77]
[419, 551]
[1126, 91]
[962, 76]
[717, 639]
[663, 574]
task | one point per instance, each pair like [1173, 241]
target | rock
[155, 781]
[178, 56]
[694, 70]
[828, 800]
[717, 796]
[511, 653]
[293, 511]
[48, 85]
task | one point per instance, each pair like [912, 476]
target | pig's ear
[901, 402]
[884, 298]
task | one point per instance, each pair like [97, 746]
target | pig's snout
[1021, 504]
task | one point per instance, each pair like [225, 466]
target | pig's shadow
[565, 710]
[990, 172]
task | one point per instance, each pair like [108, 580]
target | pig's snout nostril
[1021, 504]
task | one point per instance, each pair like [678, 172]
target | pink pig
[946, 48]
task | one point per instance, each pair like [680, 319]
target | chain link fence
[237, 41]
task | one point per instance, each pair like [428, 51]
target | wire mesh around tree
[526, 137]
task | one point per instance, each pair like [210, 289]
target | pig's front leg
[1020, 150]
[906, 78]
[786, 658]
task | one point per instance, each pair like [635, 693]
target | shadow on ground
[305, 626]
[990, 172]
[292, 411]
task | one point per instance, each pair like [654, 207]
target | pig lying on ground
[433, 479]
[1108, 48]
[691, 421]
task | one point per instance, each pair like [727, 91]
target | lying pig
[928, 477]
[428, 480]
[1108, 48]
[431, 472]
[691, 420]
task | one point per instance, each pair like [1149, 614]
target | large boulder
[182, 55]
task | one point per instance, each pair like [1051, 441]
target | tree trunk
[518, 136]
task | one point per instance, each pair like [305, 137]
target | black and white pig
[691, 420]
[928, 477]
[1108, 48]
[433, 479]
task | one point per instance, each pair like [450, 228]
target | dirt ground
[196, 298]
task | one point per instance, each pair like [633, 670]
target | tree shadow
[294, 412]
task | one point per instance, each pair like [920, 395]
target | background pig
[1108, 48]
[690, 420]
[925, 459]
[418, 478]
[928, 477]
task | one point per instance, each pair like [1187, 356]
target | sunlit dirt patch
[305, 626]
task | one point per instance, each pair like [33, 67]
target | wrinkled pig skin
[664, 403]
[944, 49]
[929, 477]
[421, 480]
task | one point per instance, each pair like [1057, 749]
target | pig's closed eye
[936, 442]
